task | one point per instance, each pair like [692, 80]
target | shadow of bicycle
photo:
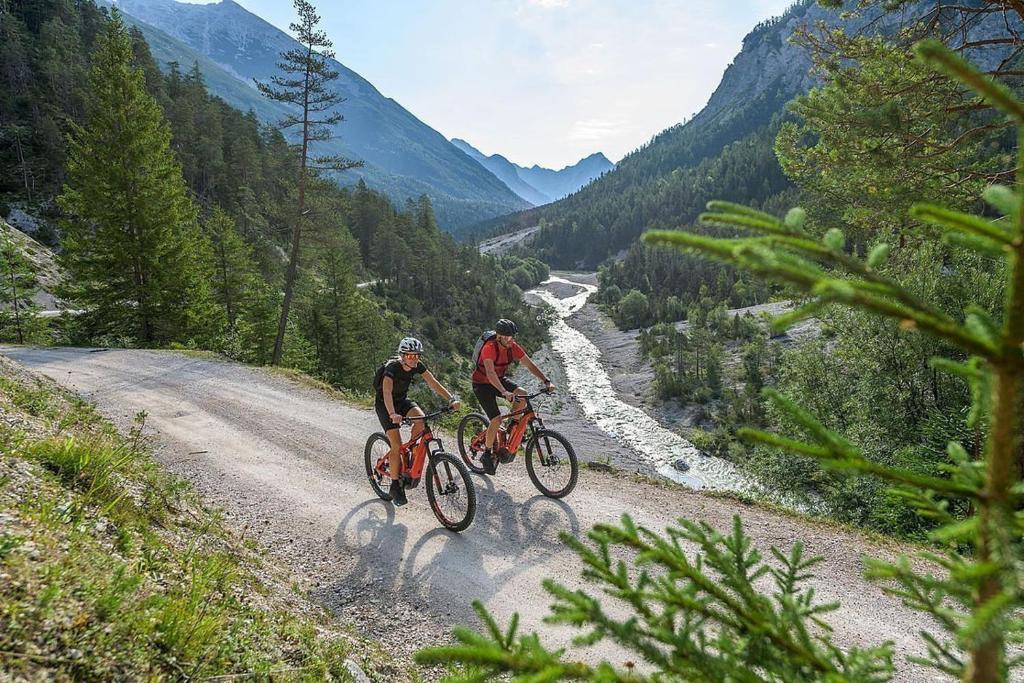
[443, 572]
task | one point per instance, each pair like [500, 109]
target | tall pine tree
[305, 86]
[137, 264]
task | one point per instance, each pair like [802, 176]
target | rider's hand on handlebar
[396, 418]
[549, 387]
[455, 405]
[509, 396]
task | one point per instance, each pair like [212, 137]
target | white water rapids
[592, 388]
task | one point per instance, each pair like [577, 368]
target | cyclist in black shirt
[391, 403]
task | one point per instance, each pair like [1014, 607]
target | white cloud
[593, 130]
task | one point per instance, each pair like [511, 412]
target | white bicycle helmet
[410, 345]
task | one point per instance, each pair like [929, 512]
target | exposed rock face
[48, 274]
[768, 60]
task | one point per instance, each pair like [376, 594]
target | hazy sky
[540, 81]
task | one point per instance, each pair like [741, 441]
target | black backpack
[378, 376]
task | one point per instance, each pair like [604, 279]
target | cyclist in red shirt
[489, 382]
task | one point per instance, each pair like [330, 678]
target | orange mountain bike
[550, 458]
[450, 489]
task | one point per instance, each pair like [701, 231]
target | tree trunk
[996, 509]
[14, 299]
[289, 288]
[24, 166]
[228, 308]
[293, 261]
[337, 313]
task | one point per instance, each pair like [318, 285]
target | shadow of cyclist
[371, 527]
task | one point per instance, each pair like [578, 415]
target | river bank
[611, 387]
[563, 412]
[588, 382]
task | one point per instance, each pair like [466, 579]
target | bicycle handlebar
[530, 397]
[406, 421]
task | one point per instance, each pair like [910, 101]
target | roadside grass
[111, 569]
[359, 398]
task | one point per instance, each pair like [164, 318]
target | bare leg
[394, 461]
[417, 425]
[492, 431]
[519, 403]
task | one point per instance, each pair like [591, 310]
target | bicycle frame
[412, 456]
[512, 432]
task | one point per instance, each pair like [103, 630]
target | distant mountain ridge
[724, 152]
[561, 183]
[404, 157]
[539, 185]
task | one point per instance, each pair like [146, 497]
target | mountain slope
[44, 265]
[659, 184]
[404, 156]
[506, 172]
[540, 185]
[561, 183]
[724, 152]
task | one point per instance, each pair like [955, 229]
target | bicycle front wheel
[472, 431]
[377, 447]
[450, 492]
[551, 464]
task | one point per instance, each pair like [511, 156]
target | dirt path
[285, 462]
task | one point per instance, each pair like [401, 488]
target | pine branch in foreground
[706, 616]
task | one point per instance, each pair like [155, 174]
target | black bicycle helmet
[506, 327]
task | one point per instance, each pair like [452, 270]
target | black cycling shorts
[401, 407]
[488, 396]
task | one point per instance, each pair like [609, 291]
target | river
[664, 451]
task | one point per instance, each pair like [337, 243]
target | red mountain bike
[450, 489]
[550, 458]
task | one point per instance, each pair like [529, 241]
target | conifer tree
[305, 85]
[253, 338]
[130, 243]
[18, 283]
[706, 618]
[232, 264]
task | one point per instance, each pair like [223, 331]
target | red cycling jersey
[502, 357]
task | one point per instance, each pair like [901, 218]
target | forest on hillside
[207, 263]
[879, 132]
[902, 243]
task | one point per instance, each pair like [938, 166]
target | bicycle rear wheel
[377, 447]
[472, 429]
[551, 464]
[450, 491]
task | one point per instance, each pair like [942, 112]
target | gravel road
[284, 461]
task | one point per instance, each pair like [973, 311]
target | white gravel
[285, 463]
